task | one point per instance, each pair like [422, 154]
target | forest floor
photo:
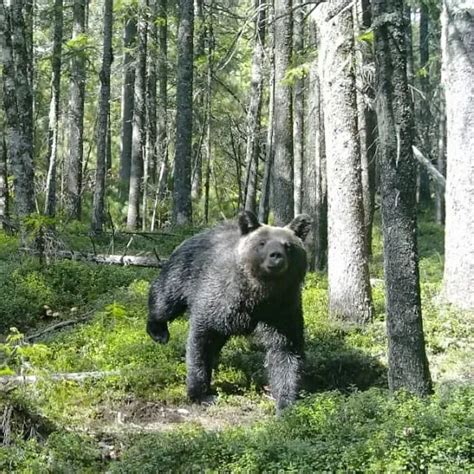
[127, 410]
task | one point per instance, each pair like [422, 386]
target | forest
[128, 126]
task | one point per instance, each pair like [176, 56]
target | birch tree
[458, 80]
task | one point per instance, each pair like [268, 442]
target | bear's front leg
[201, 354]
[284, 361]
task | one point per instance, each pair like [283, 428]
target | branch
[439, 179]
[134, 260]
[7, 381]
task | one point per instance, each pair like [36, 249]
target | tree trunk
[458, 80]
[283, 201]
[163, 100]
[298, 108]
[199, 117]
[182, 208]
[408, 365]
[74, 160]
[53, 132]
[98, 205]
[151, 105]
[441, 160]
[18, 102]
[367, 118]
[138, 124]
[254, 109]
[314, 175]
[129, 43]
[264, 204]
[210, 47]
[348, 269]
[424, 104]
[3, 182]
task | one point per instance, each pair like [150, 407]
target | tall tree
[18, 102]
[264, 203]
[182, 209]
[367, 118]
[283, 200]
[440, 205]
[200, 101]
[129, 39]
[139, 118]
[254, 109]
[53, 132]
[298, 107]
[458, 80]
[424, 116]
[162, 99]
[408, 365]
[3, 183]
[314, 171]
[348, 269]
[74, 159]
[98, 205]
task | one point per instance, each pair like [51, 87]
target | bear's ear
[300, 225]
[248, 222]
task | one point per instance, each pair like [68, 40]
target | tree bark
[348, 269]
[199, 115]
[424, 103]
[254, 109]
[3, 183]
[74, 161]
[138, 124]
[163, 100]
[314, 175]
[283, 200]
[210, 47]
[367, 118]
[18, 102]
[53, 132]
[408, 365]
[440, 205]
[298, 108]
[98, 205]
[264, 203]
[458, 81]
[129, 43]
[182, 208]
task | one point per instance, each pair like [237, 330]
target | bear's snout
[276, 261]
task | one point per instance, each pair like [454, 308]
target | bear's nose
[276, 258]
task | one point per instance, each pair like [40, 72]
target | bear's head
[269, 252]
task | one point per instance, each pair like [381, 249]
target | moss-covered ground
[133, 416]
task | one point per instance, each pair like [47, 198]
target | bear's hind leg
[162, 308]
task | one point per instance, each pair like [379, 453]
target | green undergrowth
[346, 420]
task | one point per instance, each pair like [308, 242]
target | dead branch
[7, 381]
[439, 179]
[59, 325]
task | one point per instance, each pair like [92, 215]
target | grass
[140, 421]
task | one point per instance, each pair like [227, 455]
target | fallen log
[439, 179]
[7, 381]
[124, 260]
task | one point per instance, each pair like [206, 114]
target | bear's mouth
[275, 269]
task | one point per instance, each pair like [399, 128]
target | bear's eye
[287, 245]
[261, 243]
